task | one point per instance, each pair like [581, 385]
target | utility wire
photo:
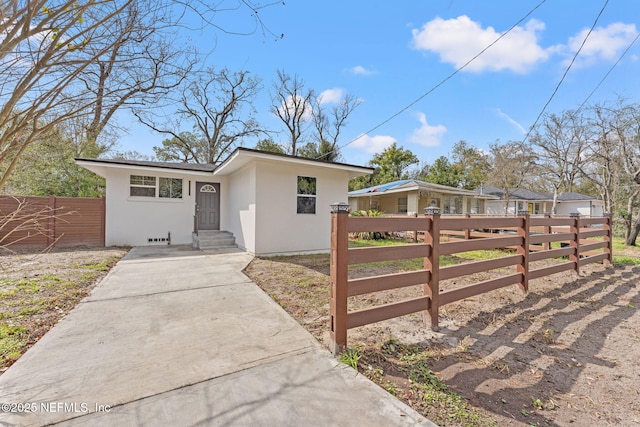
[584, 41]
[609, 72]
[443, 81]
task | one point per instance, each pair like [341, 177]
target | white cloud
[458, 40]
[330, 96]
[359, 70]
[291, 106]
[604, 43]
[426, 134]
[511, 121]
[373, 144]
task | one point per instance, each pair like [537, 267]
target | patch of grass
[362, 243]
[351, 357]
[625, 260]
[12, 339]
[486, 254]
[103, 265]
[43, 294]
[27, 286]
[51, 278]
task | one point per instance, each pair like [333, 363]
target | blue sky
[389, 55]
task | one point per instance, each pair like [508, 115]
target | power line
[584, 41]
[609, 72]
[443, 81]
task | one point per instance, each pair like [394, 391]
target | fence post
[51, 221]
[609, 249]
[339, 264]
[524, 232]
[467, 231]
[547, 230]
[432, 264]
[575, 244]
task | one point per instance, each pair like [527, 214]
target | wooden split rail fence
[575, 234]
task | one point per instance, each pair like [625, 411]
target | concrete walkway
[177, 337]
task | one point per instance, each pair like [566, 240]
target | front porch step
[213, 239]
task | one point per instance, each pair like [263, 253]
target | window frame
[142, 185]
[138, 181]
[306, 198]
[170, 188]
[405, 205]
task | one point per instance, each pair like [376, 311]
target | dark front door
[208, 205]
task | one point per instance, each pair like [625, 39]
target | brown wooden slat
[479, 244]
[585, 234]
[479, 288]
[552, 253]
[594, 258]
[386, 311]
[387, 253]
[453, 271]
[591, 246]
[382, 224]
[448, 223]
[367, 285]
[544, 238]
[547, 271]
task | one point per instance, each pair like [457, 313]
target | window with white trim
[142, 186]
[151, 186]
[306, 195]
[170, 188]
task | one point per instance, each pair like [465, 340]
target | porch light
[432, 210]
[340, 207]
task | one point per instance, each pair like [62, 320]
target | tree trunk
[633, 232]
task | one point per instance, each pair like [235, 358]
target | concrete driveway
[177, 337]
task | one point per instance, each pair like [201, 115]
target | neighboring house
[410, 196]
[537, 203]
[271, 203]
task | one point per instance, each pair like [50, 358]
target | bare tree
[26, 219]
[44, 49]
[218, 105]
[329, 124]
[65, 59]
[561, 147]
[291, 102]
[512, 163]
[625, 131]
[141, 66]
[604, 169]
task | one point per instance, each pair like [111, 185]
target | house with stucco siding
[265, 203]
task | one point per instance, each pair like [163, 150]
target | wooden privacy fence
[42, 222]
[528, 239]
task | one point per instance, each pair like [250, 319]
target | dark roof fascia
[289, 156]
[160, 165]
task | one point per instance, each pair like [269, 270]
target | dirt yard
[38, 289]
[568, 353]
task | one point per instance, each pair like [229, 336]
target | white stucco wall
[496, 207]
[134, 220]
[279, 228]
[583, 207]
[241, 207]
